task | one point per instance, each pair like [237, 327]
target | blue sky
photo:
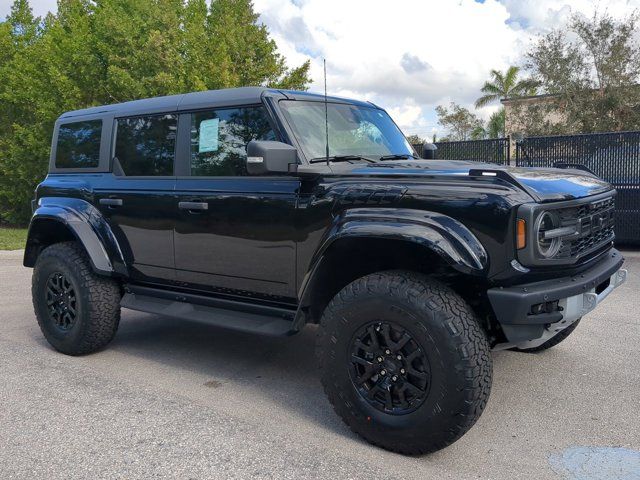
[409, 56]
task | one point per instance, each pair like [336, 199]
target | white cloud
[412, 55]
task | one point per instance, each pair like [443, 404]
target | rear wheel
[404, 361]
[77, 310]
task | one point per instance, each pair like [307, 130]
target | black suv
[264, 210]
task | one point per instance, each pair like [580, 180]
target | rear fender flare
[88, 226]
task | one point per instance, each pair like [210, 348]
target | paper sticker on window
[209, 135]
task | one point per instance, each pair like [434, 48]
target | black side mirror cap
[265, 156]
[429, 151]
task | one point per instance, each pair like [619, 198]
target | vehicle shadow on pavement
[273, 370]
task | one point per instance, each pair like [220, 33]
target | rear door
[234, 232]
[138, 199]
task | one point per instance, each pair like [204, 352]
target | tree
[496, 124]
[478, 133]
[415, 140]
[94, 52]
[592, 72]
[459, 121]
[505, 85]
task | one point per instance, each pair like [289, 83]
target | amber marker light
[521, 237]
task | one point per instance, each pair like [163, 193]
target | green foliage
[478, 133]
[591, 72]
[505, 85]
[460, 123]
[496, 124]
[415, 140]
[94, 52]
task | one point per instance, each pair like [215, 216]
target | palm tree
[495, 125]
[505, 85]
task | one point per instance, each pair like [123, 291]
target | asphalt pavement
[172, 399]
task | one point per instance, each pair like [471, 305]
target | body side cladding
[442, 235]
[88, 226]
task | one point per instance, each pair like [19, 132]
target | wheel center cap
[391, 366]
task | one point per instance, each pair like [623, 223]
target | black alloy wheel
[388, 368]
[61, 301]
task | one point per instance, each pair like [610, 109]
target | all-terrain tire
[96, 300]
[552, 342]
[442, 325]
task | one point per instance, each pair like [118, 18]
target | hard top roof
[205, 99]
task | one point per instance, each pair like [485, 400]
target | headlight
[548, 246]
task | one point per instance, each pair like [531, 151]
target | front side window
[145, 146]
[79, 144]
[219, 139]
[353, 130]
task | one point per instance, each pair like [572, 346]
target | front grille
[594, 227]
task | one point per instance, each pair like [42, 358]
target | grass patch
[12, 238]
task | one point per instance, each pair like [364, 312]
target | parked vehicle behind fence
[239, 209]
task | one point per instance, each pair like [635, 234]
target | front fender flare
[87, 225]
[445, 236]
[441, 234]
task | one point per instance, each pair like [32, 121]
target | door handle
[193, 205]
[111, 202]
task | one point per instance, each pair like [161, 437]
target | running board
[274, 322]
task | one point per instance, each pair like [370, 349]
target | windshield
[353, 130]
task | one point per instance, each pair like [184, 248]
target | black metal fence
[614, 157]
[494, 150]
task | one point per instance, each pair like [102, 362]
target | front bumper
[576, 296]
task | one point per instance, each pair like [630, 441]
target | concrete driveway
[182, 400]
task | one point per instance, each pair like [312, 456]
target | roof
[204, 99]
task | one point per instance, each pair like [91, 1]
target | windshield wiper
[341, 158]
[398, 156]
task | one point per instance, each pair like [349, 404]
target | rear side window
[79, 144]
[145, 146]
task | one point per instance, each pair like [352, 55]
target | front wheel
[404, 361]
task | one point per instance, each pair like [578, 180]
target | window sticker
[209, 135]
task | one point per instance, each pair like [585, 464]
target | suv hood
[543, 184]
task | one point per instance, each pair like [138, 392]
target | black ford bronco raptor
[263, 210]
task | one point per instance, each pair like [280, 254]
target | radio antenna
[326, 110]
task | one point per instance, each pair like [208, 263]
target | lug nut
[399, 357]
[387, 351]
[402, 371]
[394, 378]
[380, 359]
[383, 372]
[377, 328]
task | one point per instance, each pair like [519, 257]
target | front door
[234, 233]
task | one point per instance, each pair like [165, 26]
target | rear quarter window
[79, 144]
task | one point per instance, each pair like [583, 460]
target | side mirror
[429, 151]
[265, 156]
